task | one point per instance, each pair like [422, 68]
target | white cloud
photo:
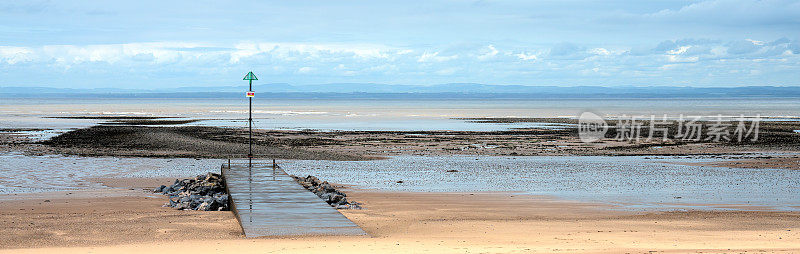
[492, 52]
[772, 60]
[294, 51]
[13, 55]
[526, 57]
[679, 50]
[680, 59]
[600, 51]
[434, 57]
[755, 42]
[305, 70]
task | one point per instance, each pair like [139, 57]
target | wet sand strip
[268, 202]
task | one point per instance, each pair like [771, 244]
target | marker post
[250, 94]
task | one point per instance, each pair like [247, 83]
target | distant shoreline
[403, 96]
[456, 91]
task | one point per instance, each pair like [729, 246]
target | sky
[157, 44]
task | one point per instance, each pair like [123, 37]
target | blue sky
[153, 44]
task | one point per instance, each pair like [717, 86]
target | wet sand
[191, 141]
[126, 222]
[103, 217]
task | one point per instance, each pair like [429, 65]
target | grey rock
[210, 205]
[326, 197]
[335, 198]
[204, 192]
[326, 192]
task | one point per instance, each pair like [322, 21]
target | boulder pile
[204, 193]
[326, 192]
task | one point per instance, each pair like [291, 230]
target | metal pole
[250, 126]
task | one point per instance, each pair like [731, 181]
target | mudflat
[220, 142]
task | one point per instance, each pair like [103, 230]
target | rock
[203, 192]
[326, 192]
[326, 187]
[313, 180]
[452, 171]
[182, 206]
[209, 205]
[335, 198]
[326, 197]
[184, 199]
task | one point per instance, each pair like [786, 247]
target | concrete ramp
[268, 202]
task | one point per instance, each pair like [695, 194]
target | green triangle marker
[250, 76]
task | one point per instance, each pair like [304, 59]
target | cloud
[794, 47]
[564, 49]
[305, 70]
[14, 55]
[751, 60]
[526, 56]
[744, 46]
[600, 51]
[434, 57]
[491, 52]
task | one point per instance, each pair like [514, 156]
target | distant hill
[369, 90]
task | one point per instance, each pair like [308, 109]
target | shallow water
[24, 174]
[371, 114]
[629, 182]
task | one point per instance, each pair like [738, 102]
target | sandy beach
[130, 221]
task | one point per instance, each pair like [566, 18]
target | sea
[375, 114]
